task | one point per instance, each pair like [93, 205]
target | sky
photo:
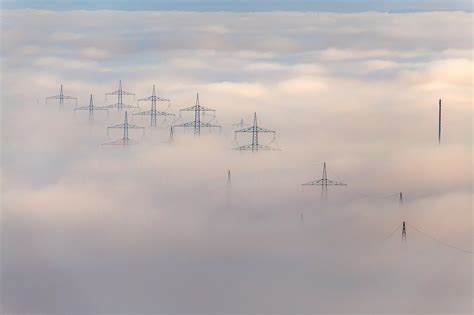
[151, 228]
[246, 5]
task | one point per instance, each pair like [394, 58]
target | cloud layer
[149, 229]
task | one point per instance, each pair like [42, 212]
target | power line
[440, 241]
[393, 232]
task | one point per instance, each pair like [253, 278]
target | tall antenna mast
[255, 130]
[439, 123]
[197, 124]
[229, 189]
[324, 182]
[125, 126]
[61, 97]
[120, 93]
[91, 108]
[404, 233]
[153, 112]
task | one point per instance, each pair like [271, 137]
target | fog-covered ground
[92, 229]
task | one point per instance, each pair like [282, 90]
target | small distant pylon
[153, 112]
[404, 233]
[439, 122]
[255, 130]
[125, 126]
[240, 124]
[197, 124]
[229, 189]
[61, 97]
[120, 93]
[324, 182]
[401, 199]
[171, 135]
[91, 108]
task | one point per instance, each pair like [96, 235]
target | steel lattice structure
[197, 124]
[255, 130]
[91, 108]
[61, 97]
[324, 182]
[120, 93]
[153, 112]
[125, 126]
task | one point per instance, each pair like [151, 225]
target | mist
[150, 228]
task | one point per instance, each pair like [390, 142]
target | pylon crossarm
[313, 183]
[255, 129]
[197, 107]
[334, 183]
[90, 108]
[153, 98]
[115, 105]
[209, 125]
[135, 127]
[157, 113]
[55, 97]
[120, 92]
[256, 147]
[116, 126]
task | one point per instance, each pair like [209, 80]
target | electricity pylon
[439, 122]
[229, 190]
[120, 93]
[255, 130]
[401, 199]
[125, 126]
[197, 124]
[61, 97]
[324, 182]
[153, 112]
[91, 108]
[404, 233]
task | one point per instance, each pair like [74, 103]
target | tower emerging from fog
[61, 97]
[255, 130]
[153, 112]
[197, 124]
[324, 182]
[439, 122]
[91, 108]
[125, 126]
[120, 94]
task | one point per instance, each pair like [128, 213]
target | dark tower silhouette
[153, 112]
[197, 124]
[404, 233]
[91, 108]
[255, 130]
[61, 97]
[324, 182]
[120, 93]
[125, 126]
[439, 123]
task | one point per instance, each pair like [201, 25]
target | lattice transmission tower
[91, 108]
[61, 97]
[153, 112]
[255, 130]
[125, 126]
[324, 182]
[120, 94]
[197, 124]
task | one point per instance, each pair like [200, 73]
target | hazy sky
[246, 5]
[89, 229]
